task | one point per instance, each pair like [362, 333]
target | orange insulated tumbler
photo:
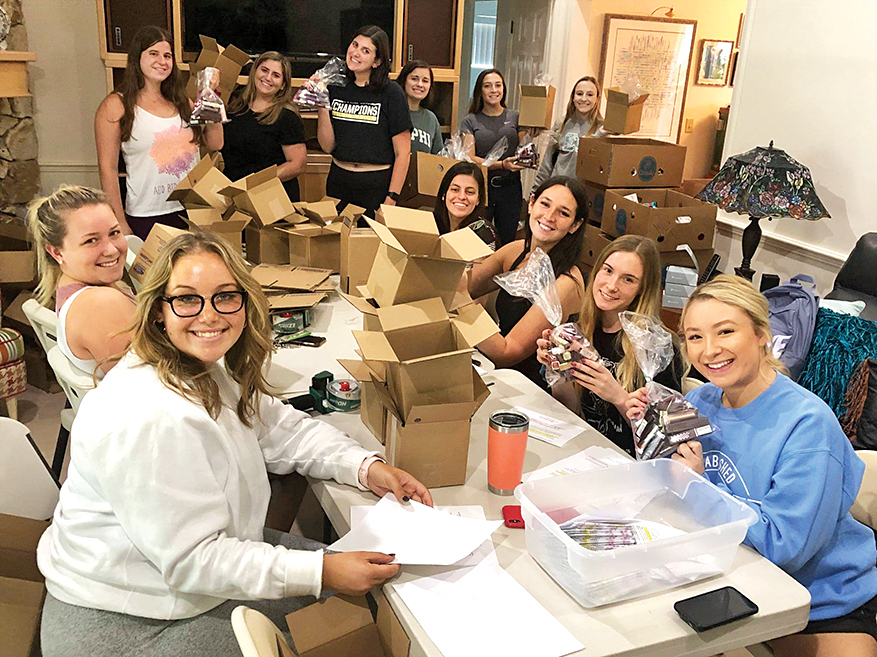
[506, 446]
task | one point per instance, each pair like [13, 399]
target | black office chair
[857, 279]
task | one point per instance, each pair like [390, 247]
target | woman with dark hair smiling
[367, 128]
[416, 80]
[460, 203]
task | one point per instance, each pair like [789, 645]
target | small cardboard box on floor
[623, 116]
[630, 162]
[229, 61]
[17, 257]
[155, 241]
[537, 106]
[425, 173]
[21, 585]
[677, 219]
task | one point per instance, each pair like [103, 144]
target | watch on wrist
[393, 195]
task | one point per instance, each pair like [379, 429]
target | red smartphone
[512, 516]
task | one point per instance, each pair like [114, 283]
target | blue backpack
[793, 309]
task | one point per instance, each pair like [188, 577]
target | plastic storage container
[661, 490]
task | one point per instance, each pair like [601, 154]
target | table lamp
[763, 182]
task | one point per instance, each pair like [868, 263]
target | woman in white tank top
[81, 257]
[148, 121]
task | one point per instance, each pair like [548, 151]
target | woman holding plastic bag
[778, 448]
[524, 274]
[149, 121]
[264, 129]
[582, 119]
[626, 276]
[486, 125]
[366, 127]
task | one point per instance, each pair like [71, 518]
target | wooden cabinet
[429, 33]
[123, 18]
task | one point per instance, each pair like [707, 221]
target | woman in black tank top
[557, 212]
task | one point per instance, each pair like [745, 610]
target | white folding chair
[28, 487]
[134, 246]
[73, 380]
[257, 636]
[43, 321]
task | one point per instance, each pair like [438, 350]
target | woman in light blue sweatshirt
[780, 449]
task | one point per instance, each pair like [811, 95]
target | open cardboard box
[537, 105]
[425, 174]
[229, 226]
[359, 246]
[266, 245]
[17, 258]
[262, 196]
[201, 187]
[623, 116]
[414, 262]
[315, 245]
[371, 410]
[678, 219]
[21, 585]
[630, 162]
[158, 236]
[343, 626]
[229, 60]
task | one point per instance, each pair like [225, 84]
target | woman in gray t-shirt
[486, 123]
[582, 120]
[416, 80]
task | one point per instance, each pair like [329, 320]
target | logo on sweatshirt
[717, 466]
[346, 110]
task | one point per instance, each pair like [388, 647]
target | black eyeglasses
[191, 305]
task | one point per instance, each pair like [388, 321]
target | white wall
[68, 82]
[806, 79]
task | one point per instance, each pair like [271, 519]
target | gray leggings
[69, 631]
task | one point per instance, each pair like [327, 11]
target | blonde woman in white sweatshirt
[160, 527]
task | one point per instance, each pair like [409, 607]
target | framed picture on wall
[714, 63]
[656, 52]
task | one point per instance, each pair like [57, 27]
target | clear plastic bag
[542, 80]
[669, 419]
[455, 149]
[495, 154]
[568, 346]
[632, 87]
[314, 93]
[535, 281]
[208, 107]
[527, 155]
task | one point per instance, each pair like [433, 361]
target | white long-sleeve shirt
[162, 512]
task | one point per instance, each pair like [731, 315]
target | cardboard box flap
[463, 244]
[375, 346]
[443, 355]
[534, 90]
[235, 220]
[351, 213]
[202, 217]
[385, 235]
[450, 412]
[260, 177]
[18, 546]
[618, 96]
[322, 212]
[236, 55]
[294, 278]
[415, 229]
[358, 369]
[361, 304]
[416, 313]
[209, 43]
[294, 301]
[474, 324]
[303, 230]
[327, 620]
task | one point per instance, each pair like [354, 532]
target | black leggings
[504, 202]
[367, 189]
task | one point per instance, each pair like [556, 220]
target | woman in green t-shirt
[416, 80]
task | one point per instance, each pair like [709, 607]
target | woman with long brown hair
[264, 129]
[147, 119]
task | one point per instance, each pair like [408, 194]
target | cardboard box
[287, 277]
[370, 319]
[229, 60]
[312, 245]
[18, 261]
[678, 219]
[425, 174]
[371, 410]
[343, 625]
[427, 352]
[312, 183]
[630, 162]
[155, 241]
[623, 116]
[537, 105]
[359, 248]
[202, 186]
[694, 186]
[266, 245]
[596, 195]
[414, 262]
[229, 226]
[21, 585]
[262, 196]
[595, 241]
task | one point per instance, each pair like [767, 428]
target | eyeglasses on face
[191, 305]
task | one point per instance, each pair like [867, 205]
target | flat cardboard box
[623, 116]
[229, 60]
[201, 187]
[678, 219]
[266, 245]
[229, 226]
[262, 196]
[427, 352]
[21, 585]
[414, 262]
[294, 301]
[314, 245]
[155, 242]
[595, 241]
[359, 246]
[343, 625]
[596, 195]
[288, 277]
[630, 162]
[17, 258]
[425, 174]
[537, 105]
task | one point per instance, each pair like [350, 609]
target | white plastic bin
[661, 490]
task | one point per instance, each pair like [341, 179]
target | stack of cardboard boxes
[419, 388]
[632, 186]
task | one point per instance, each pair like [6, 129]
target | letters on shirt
[346, 110]
[719, 467]
[422, 136]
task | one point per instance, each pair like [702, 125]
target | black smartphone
[308, 341]
[715, 608]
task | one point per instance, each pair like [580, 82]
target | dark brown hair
[240, 102]
[477, 103]
[408, 69]
[440, 212]
[566, 252]
[380, 75]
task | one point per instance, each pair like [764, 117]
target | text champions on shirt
[346, 110]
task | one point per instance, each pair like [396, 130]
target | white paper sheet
[484, 611]
[548, 429]
[484, 553]
[591, 458]
[416, 533]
